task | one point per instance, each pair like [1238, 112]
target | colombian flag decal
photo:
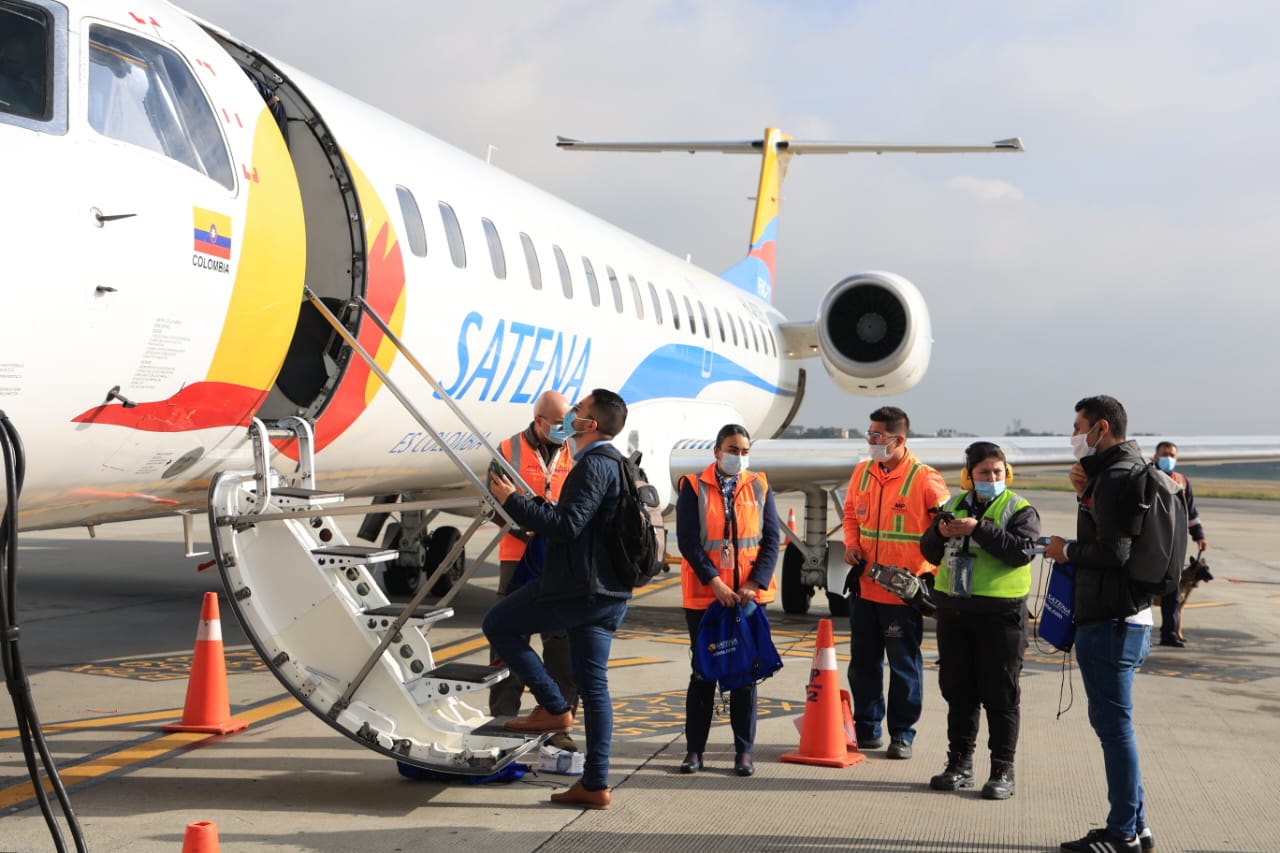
[212, 233]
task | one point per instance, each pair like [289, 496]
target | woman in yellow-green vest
[981, 542]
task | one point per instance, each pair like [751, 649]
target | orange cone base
[847, 760]
[232, 725]
[201, 837]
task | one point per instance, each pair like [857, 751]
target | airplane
[245, 266]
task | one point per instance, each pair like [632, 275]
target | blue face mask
[989, 491]
[732, 465]
[559, 434]
[566, 426]
[1166, 463]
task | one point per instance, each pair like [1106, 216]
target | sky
[1132, 250]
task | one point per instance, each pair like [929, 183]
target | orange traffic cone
[208, 709]
[791, 519]
[201, 836]
[824, 739]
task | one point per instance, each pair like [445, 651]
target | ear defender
[966, 479]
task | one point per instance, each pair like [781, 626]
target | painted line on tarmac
[156, 748]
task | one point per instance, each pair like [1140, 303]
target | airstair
[312, 607]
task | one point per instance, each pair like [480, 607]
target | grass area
[1204, 486]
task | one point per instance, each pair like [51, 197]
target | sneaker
[1101, 841]
[899, 748]
[1173, 641]
[1146, 839]
[870, 742]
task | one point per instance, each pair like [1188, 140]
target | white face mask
[878, 452]
[732, 465]
[1080, 447]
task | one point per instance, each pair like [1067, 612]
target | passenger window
[675, 310]
[143, 93]
[563, 266]
[688, 310]
[496, 257]
[25, 89]
[733, 330]
[657, 304]
[635, 294]
[453, 233]
[413, 227]
[531, 260]
[755, 338]
[706, 327]
[592, 287]
[617, 288]
[743, 327]
[720, 323]
[773, 342]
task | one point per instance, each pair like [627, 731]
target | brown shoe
[581, 798]
[540, 721]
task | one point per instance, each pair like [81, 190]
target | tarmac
[108, 628]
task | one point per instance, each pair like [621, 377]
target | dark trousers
[1169, 616]
[700, 703]
[879, 632]
[979, 661]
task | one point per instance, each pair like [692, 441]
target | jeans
[505, 696]
[590, 626]
[1109, 653]
[878, 631]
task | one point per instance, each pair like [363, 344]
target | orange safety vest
[748, 512]
[885, 515]
[544, 479]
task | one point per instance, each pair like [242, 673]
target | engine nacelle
[874, 334]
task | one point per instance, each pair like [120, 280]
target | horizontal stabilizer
[792, 146]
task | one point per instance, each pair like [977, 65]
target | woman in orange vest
[727, 530]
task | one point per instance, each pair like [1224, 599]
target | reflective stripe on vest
[992, 577]
[742, 542]
[898, 533]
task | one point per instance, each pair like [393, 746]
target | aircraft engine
[874, 333]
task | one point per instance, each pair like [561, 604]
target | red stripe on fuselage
[202, 405]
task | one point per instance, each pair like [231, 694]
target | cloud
[985, 189]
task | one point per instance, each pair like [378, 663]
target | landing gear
[420, 552]
[795, 594]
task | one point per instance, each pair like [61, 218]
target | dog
[1196, 572]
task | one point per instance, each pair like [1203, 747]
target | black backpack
[1159, 548]
[637, 537]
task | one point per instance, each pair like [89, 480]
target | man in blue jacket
[578, 592]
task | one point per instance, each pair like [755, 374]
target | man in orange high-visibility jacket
[891, 501]
[540, 455]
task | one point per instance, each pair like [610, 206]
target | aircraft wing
[828, 462]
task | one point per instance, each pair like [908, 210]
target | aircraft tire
[795, 595]
[438, 545]
[403, 575]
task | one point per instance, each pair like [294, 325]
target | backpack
[1159, 548]
[637, 538]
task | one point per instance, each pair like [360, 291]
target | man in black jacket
[578, 592]
[1113, 620]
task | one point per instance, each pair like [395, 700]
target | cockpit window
[25, 40]
[143, 93]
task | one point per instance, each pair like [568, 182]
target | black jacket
[1107, 516]
[576, 529]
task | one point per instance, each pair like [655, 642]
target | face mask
[566, 426]
[558, 434]
[879, 452]
[732, 465]
[1080, 447]
[1166, 463]
[988, 491]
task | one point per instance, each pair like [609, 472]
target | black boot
[958, 773]
[1000, 785]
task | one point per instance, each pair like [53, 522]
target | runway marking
[157, 748]
[615, 663]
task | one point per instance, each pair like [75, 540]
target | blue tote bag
[1056, 626]
[735, 646]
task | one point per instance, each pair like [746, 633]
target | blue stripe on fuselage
[675, 370]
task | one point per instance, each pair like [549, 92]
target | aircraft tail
[755, 272]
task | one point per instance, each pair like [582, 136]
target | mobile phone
[496, 469]
[945, 516]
